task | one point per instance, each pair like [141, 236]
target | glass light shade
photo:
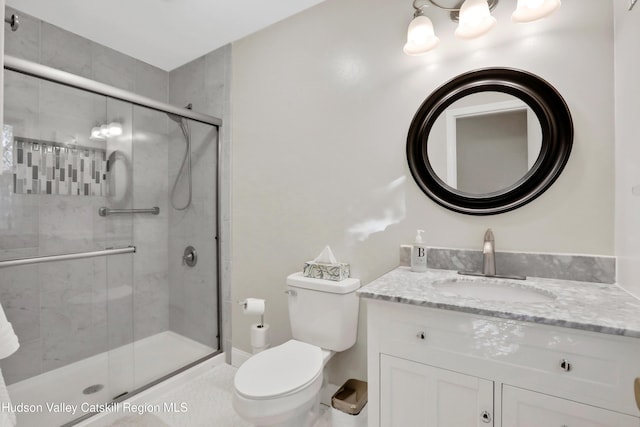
[475, 19]
[115, 129]
[420, 36]
[104, 130]
[96, 134]
[532, 10]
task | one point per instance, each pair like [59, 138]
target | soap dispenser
[419, 254]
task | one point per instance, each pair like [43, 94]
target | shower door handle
[66, 257]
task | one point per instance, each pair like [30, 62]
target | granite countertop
[595, 307]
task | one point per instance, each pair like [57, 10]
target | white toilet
[281, 385]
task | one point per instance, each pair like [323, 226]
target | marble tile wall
[86, 305]
[205, 83]
[66, 311]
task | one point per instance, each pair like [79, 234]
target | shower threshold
[55, 394]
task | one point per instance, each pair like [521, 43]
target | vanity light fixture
[420, 35]
[115, 129]
[532, 10]
[100, 133]
[473, 17]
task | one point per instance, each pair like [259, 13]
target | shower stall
[109, 243]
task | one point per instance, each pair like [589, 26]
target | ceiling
[163, 33]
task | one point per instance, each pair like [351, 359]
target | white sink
[490, 289]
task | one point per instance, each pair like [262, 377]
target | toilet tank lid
[336, 287]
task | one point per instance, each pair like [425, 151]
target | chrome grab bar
[66, 257]
[104, 211]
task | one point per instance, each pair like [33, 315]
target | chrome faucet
[488, 254]
[489, 260]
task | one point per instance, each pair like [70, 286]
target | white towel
[8, 339]
[8, 345]
[7, 416]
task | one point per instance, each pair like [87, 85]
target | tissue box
[320, 270]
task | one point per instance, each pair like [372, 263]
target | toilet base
[300, 409]
[304, 419]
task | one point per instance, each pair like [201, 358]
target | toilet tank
[323, 312]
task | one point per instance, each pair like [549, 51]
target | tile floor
[208, 399]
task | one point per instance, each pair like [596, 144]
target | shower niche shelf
[46, 167]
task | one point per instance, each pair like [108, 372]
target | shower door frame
[64, 78]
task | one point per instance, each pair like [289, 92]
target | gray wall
[322, 103]
[438, 142]
[491, 151]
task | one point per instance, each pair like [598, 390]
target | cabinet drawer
[595, 368]
[523, 408]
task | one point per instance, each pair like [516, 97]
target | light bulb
[104, 130]
[475, 19]
[420, 36]
[95, 132]
[532, 10]
[115, 129]
[533, 4]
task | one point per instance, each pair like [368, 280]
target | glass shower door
[175, 303]
[89, 175]
[118, 231]
[69, 315]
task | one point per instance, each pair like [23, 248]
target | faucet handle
[489, 254]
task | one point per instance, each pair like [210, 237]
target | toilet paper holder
[244, 305]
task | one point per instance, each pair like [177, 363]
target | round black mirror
[489, 141]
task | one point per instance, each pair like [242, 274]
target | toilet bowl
[280, 386]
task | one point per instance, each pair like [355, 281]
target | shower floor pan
[119, 370]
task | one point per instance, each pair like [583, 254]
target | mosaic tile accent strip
[42, 167]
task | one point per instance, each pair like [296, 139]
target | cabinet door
[524, 408]
[418, 395]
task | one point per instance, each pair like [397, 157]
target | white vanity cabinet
[415, 394]
[435, 367]
[524, 408]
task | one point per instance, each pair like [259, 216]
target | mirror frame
[557, 139]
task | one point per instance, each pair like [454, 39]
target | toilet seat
[279, 371]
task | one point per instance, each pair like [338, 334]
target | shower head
[176, 118]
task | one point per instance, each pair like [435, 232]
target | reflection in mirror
[484, 142]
